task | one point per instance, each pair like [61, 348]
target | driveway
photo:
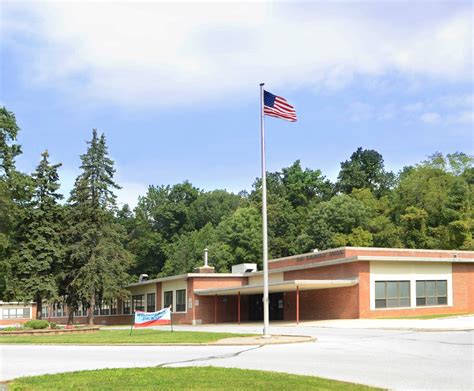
[395, 359]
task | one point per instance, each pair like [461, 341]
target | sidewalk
[460, 323]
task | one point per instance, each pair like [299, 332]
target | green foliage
[86, 250]
[364, 170]
[8, 133]
[39, 251]
[97, 261]
[37, 324]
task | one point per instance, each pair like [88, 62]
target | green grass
[109, 337]
[191, 378]
[433, 316]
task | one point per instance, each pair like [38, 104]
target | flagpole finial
[262, 84]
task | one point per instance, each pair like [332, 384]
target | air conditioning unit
[244, 268]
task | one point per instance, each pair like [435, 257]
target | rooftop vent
[206, 268]
[143, 278]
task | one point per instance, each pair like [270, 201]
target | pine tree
[39, 251]
[97, 259]
[15, 194]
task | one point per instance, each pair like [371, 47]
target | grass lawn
[108, 337]
[434, 316]
[191, 378]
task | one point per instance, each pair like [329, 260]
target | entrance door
[256, 307]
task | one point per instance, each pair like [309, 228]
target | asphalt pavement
[394, 359]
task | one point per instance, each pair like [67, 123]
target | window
[181, 300]
[391, 294]
[137, 303]
[58, 310]
[431, 292]
[105, 308]
[113, 307]
[126, 306]
[168, 299]
[45, 311]
[150, 302]
[15, 313]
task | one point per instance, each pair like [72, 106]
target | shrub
[11, 328]
[53, 325]
[37, 324]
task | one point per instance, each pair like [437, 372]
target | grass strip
[110, 337]
[189, 378]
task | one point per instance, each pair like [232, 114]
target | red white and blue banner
[146, 319]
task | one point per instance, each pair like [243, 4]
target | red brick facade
[331, 303]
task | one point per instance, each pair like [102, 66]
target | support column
[215, 309]
[238, 308]
[297, 305]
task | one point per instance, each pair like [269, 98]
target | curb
[260, 342]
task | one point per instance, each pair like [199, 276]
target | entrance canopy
[280, 286]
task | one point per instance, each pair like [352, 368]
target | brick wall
[463, 296]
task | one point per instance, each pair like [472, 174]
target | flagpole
[266, 333]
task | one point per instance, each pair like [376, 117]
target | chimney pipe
[205, 256]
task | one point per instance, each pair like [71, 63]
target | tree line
[84, 249]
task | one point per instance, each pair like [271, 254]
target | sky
[175, 86]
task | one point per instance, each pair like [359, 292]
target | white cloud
[430, 118]
[175, 53]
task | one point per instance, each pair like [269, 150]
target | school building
[341, 283]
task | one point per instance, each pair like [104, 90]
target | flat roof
[280, 286]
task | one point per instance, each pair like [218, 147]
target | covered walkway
[274, 288]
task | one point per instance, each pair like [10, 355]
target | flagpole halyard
[266, 317]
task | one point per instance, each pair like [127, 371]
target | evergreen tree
[39, 253]
[97, 259]
[15, 194]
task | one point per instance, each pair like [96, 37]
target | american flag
[276, 106]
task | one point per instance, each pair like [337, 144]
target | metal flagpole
[266, 333]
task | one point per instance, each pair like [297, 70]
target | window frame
[151, 298]
[167, 303]
[436, 296]
[181, 307]
[138, 299]
[127, 306]
[378, 300]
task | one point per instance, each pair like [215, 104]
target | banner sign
[145, 319]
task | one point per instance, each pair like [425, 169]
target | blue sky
[175, 86]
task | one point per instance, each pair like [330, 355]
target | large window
[150, 302]
[168, 299]
[431, 292]
[138, 303]
[15, 313]
[126, 306]
[181, 300]
[391, 294]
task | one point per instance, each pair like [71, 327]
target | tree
[432, 203]
[335, 223]
[98, 261]
[212, 207]
[8, 133]
[241, 233]
[15, 195]
[365, 169]
[37, 259]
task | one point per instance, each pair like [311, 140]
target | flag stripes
[278, 107]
